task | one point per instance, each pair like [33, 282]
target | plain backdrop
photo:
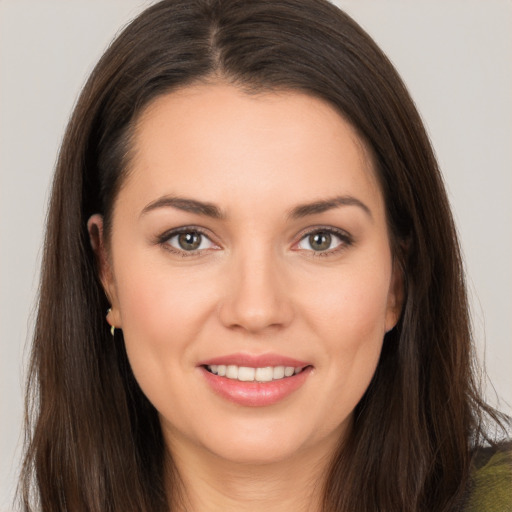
[454, 55]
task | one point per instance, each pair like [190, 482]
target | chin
[256, 451]
[272, 441]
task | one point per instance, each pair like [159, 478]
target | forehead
[216, 139]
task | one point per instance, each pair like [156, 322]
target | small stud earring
[112, 327]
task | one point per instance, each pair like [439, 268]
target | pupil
[189, 241]
[320, 241]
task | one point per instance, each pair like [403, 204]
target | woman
[246, 192]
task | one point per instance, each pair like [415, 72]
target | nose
[256, 297]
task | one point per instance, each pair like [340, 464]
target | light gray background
[455, 56]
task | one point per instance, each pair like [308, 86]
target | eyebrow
[211, 210]
[186, 205]
[322, 206]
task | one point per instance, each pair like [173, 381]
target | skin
[256, 286]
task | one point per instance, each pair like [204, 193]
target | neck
[207, 483]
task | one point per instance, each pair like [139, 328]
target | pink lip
[255, 394]
[255, 361]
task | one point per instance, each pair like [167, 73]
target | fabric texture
[491, 485]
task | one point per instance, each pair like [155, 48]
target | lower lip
[255, 394]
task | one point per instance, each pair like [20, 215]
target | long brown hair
[94, 441]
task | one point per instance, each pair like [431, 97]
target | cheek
[159, 296]
[161, 314]
[350, 322]
[353, 307]
[355, 334]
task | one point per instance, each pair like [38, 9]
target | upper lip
[254, 361]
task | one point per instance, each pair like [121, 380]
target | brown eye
[189, 241]
[324, 241]
[320, 241]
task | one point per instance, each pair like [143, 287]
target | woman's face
[249, 242]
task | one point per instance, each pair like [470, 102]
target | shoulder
[491, 480]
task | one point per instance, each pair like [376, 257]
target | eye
[323, 241]
[189, 240]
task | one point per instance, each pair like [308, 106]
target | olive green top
[491, 488]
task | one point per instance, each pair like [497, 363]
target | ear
[395, 297]
[103, 263]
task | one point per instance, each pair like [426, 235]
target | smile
[248, 374]
[255, 380]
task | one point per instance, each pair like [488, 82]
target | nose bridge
[255, 297]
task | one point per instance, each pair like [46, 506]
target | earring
[112, 327]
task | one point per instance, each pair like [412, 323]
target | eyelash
[346, 240]
[165, 238]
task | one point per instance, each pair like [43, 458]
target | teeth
[232, 371]
[264, 374]
[278, 372]
[247, 374]
[289, 371]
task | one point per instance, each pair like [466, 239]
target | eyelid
[345, 237]
[163, 240]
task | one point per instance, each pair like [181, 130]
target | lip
[255, 361]
[255, 394]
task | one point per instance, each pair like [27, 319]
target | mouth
[255, 381]
[250, 374]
